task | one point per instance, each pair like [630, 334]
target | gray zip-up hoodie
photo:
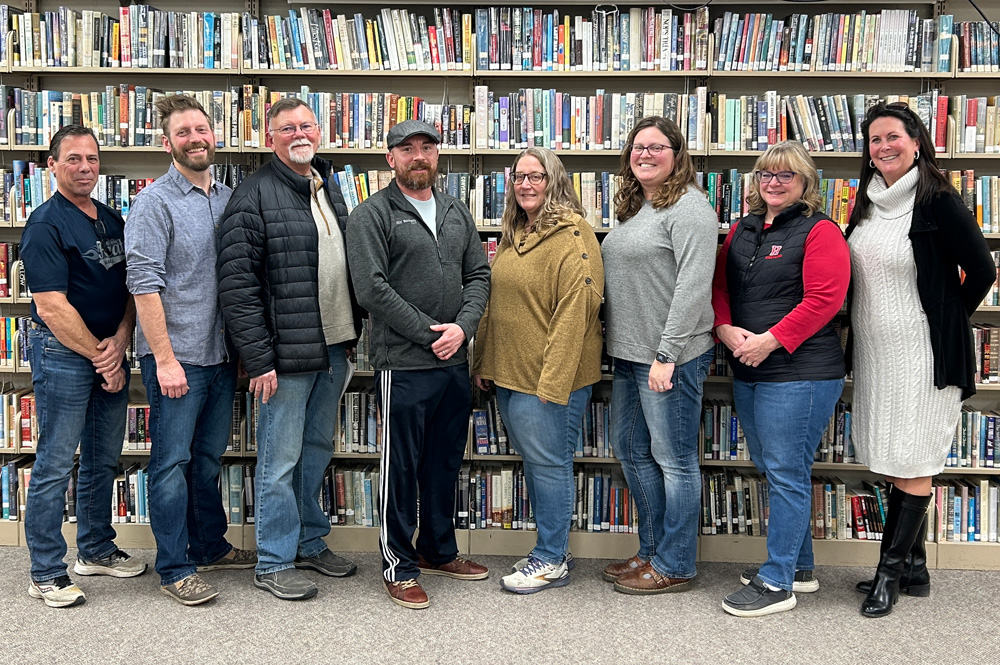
[409, 281]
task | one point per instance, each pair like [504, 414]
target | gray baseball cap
[404, 130]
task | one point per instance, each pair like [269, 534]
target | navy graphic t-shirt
[65, 250]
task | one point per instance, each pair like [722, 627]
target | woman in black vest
[780, 278]
[913, 351]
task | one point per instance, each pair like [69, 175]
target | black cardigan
[945, 237]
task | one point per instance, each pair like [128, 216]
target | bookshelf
[458, 86]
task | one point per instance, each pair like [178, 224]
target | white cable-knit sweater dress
[901, 425]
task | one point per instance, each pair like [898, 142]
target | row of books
[494, 497]
[491, 437]
[130, 492]
[121, 116]
[491, 496]
[140, 37]
[823, 123]
[349, 495]
[392, 39]
[26, 185]
[977, 124]
[974, 445]
[966, 510]
[546, 117]
[9, 255]
[125, 115]
[498, 38]
[609, 39]
[737, 503]
[978, 46]
[360, 424]
[892, 40]
[722, 436]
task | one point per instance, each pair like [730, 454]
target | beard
[297, 151]
[194, 163]
[417, 181]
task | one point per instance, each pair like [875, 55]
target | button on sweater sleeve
[826, 273]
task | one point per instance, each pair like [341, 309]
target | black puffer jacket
[267, 269]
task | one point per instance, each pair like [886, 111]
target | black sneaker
[327, 563]
[288, 584]
[756, 600]
[804, 581]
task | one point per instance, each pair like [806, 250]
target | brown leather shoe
[612, 571]
[407, 593]
[458, 568]
[644, 580]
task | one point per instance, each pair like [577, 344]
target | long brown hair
[560, 197]
[930, 181]
[630, 197]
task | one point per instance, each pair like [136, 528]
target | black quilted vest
[764, 277]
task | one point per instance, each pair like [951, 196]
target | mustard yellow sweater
[540, 334]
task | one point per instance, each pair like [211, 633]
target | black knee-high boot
[916, 580]
[888, 527]
[893, 564]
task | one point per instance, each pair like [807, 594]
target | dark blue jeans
[655, 435]
[783, 422]
[73, 409]
[189, 435]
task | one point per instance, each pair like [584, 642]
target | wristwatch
[663, 358]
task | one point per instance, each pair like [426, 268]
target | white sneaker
[60, 592]
[535, 576]
[521, 563]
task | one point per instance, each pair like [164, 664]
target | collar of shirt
[185, 185]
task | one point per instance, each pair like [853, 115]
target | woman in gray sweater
[658, 291]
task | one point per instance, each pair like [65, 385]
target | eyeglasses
[653, 150]
[289, 130]
[764, 177]
[534, 178]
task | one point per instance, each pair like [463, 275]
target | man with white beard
[290, 311]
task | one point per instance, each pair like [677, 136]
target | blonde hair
[787, 156]
[560, 199]
[630, 197]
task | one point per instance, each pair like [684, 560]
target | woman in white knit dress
[912, 351]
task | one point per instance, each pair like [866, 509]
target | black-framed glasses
[534, 177]
[289, 130]
[764, 177]
[653, 150]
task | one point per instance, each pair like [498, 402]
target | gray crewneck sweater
[658, 269]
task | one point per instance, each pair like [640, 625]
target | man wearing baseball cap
[419, 268]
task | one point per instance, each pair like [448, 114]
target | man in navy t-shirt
[82, 319]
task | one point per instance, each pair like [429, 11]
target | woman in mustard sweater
[540, 343]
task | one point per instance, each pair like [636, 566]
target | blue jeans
[189, 434]
[294, 447]
[655, 435]
[73, 409]
[790, 417]
[545, 435]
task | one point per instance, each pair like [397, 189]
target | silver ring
[114, 362]
[661, 387]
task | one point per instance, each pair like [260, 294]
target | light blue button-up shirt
[171, 249]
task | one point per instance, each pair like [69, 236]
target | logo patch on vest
[775, 252]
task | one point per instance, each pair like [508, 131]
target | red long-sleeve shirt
[826, 274]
